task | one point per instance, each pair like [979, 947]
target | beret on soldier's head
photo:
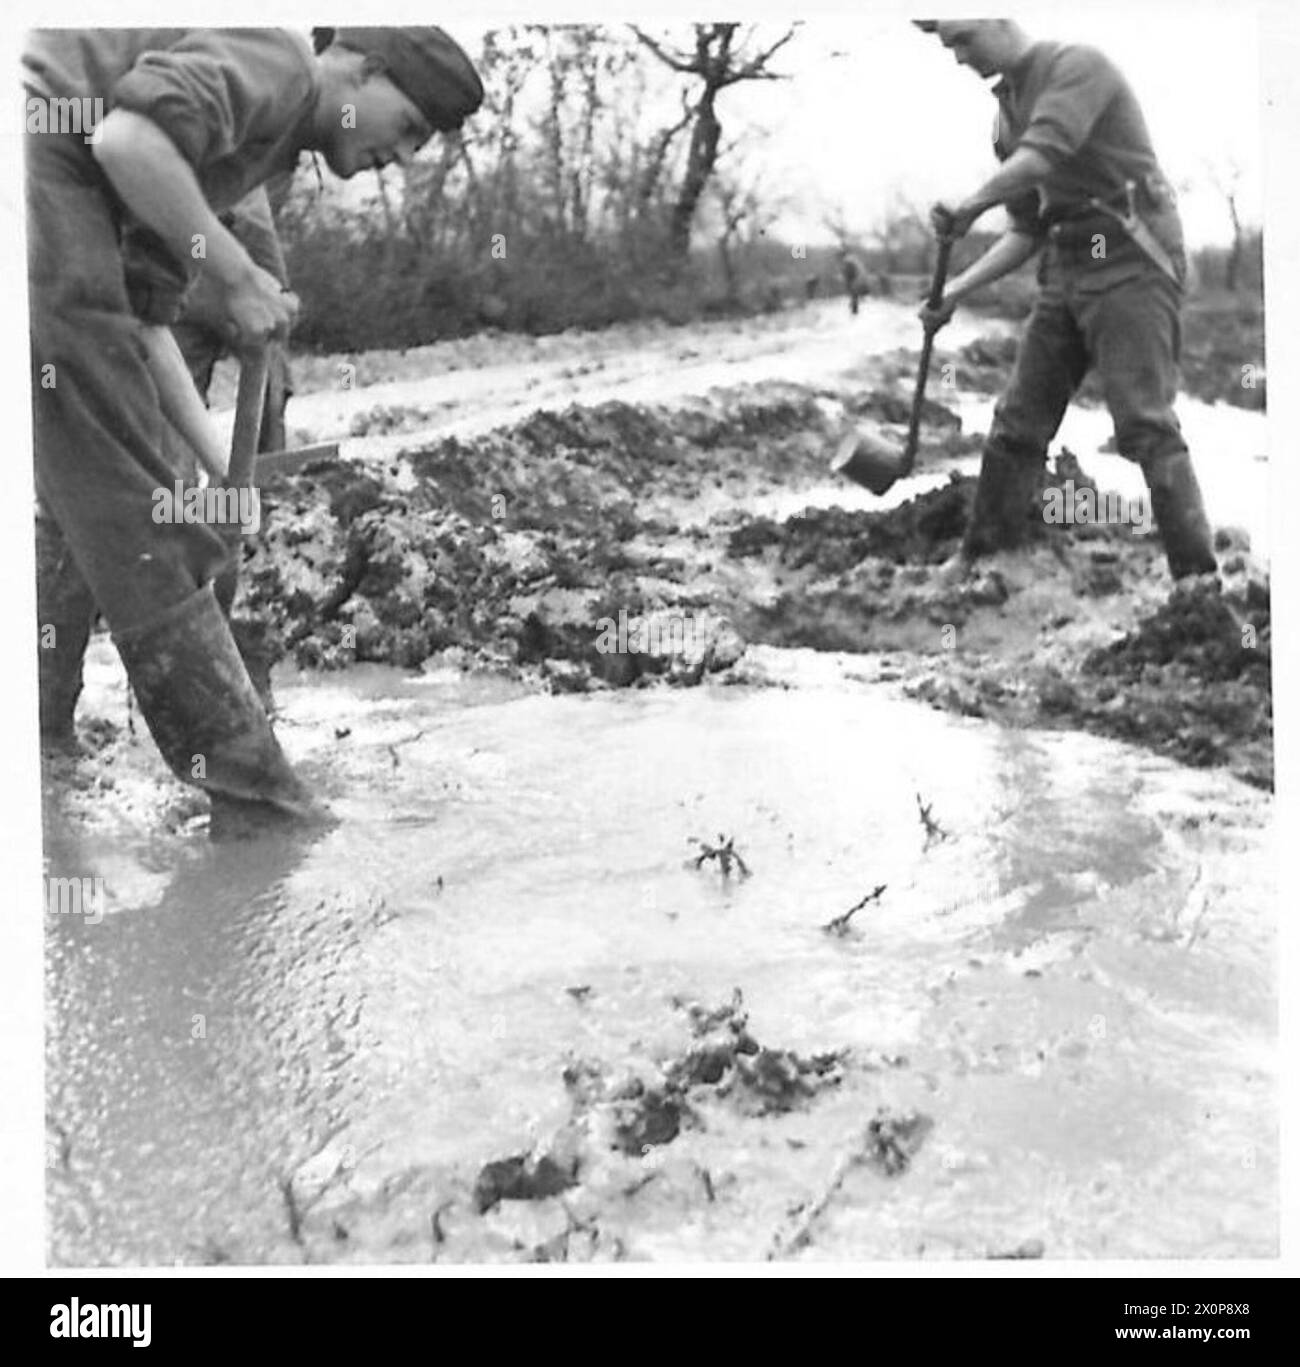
[427, 66]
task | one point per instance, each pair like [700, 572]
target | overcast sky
[875, 106]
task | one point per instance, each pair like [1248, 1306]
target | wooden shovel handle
[253, 368]
[923, 371]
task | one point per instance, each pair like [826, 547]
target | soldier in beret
[194, 120]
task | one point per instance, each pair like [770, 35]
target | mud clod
[649, 1106]
[521, 1178]
[829, 541]
[1195, 630]
[762, 1080]
[893, 1140]
[654, 1117]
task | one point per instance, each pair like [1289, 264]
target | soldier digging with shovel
[1081, 184]
[194, 120]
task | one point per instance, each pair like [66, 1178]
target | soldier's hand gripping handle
[951, 222]
[933, 317]
[256, 307]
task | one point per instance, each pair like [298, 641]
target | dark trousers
[98, 425]
[1116, 313]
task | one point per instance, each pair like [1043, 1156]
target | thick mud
[530, 548]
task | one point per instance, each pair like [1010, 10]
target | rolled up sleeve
[216, 91]
[1024, 214]
[252, 223]
[1081, 83]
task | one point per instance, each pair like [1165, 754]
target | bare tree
[651, 179]
[835, 223]
[718, 61]
[903, 237]
[746, 207]
[1227, 181]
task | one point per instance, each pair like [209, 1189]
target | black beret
[427, 66]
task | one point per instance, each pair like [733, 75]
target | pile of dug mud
[609, 546]
[512, 547]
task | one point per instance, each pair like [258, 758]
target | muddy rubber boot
[259, 650]
[1180, 515]
[204, 713]
[65, 612]
[999, 518]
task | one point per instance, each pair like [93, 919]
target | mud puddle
[513, 971]
[526, 1004]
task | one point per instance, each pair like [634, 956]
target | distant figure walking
[855, 277]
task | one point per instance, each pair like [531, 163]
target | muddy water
[1075, 984]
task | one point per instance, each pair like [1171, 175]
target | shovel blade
[869, 460]
[293, 460]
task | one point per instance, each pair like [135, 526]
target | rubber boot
[259, 649]
[65, 612]
[1009, 481]
[204, 713]
[1180, 515]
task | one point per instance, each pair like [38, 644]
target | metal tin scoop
[868, 458]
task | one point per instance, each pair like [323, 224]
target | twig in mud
[1195, 930]
[293, 1212]
[933, 831]
[436, 1230]
[633, 1187]
[297, 1210]
[839, 925]
[406, 740]
[887, 1145]
[808, 1215]
[725, 854]
[707, 1178]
